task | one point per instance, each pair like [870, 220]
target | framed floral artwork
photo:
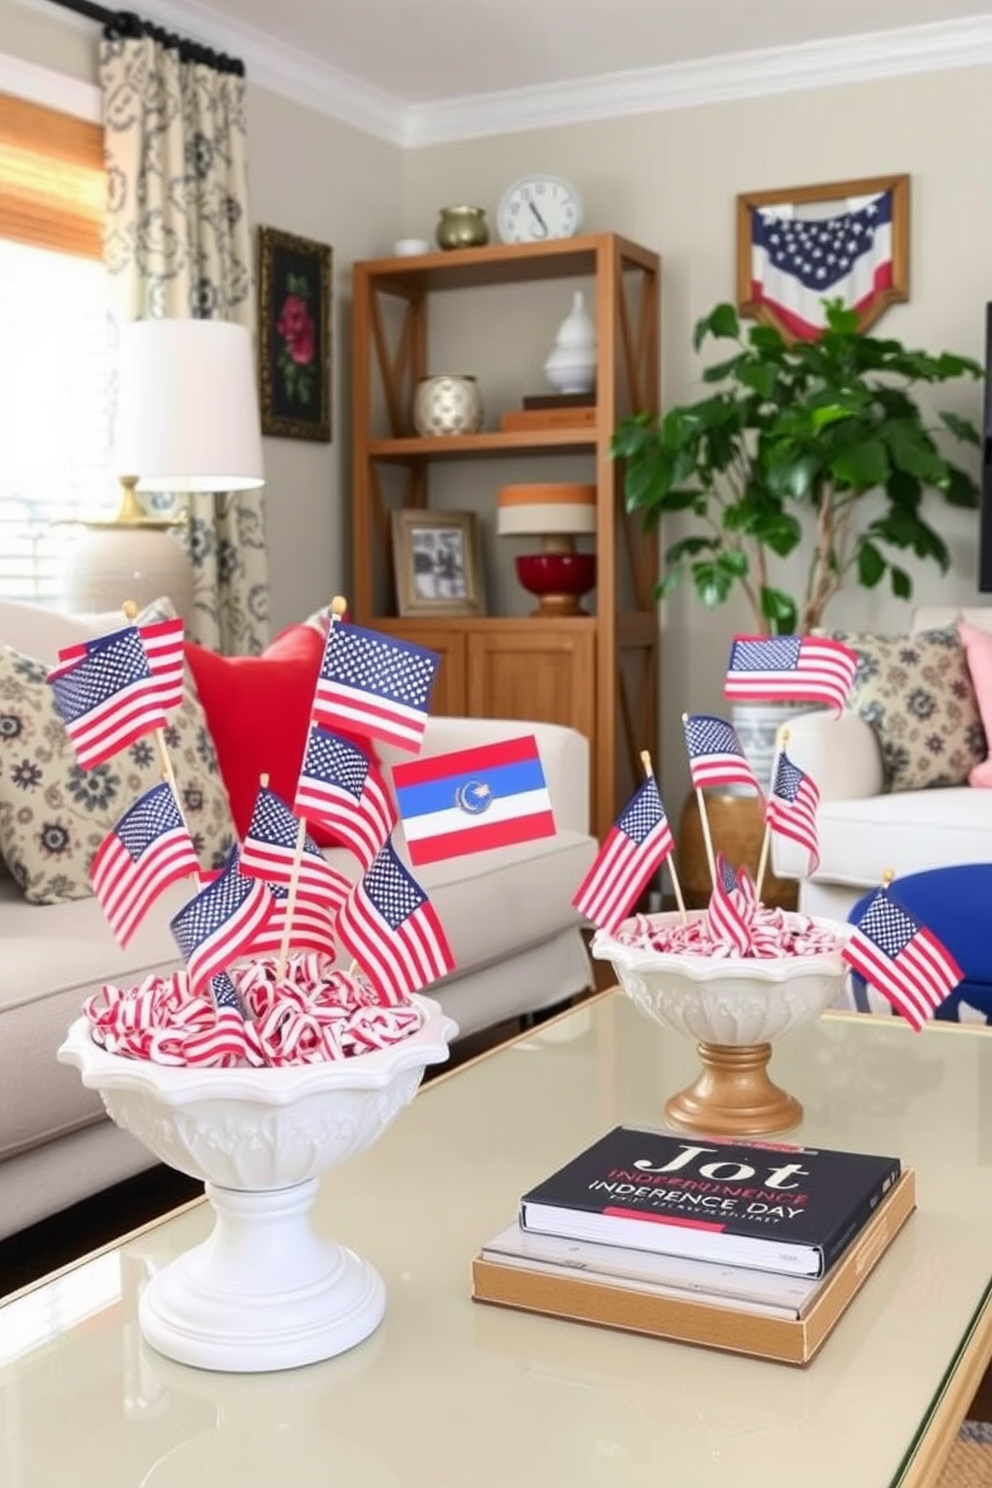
[294, 335]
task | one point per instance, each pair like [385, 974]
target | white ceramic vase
[571, 366]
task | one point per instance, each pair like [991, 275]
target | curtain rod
[124, 23]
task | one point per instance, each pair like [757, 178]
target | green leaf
[712, 582]
[777, 530]
[720, 370]
[961, 428]
[688, 547]
[766, 338]
[793, 477]
[871, 564]
[734, 562]
[862, 465]
[721, 322]
[902, 584]
[759, 376]
[912, 450]
[959, 489]
[779, 609]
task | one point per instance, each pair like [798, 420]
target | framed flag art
[799, 246]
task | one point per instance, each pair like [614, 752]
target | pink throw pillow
[978, 651]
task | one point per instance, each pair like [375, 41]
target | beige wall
[308, 175]
[669, 180]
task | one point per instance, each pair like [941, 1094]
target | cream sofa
[864, 831]
[514, 935]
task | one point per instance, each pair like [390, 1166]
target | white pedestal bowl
[263, 1292]
[735, 1008]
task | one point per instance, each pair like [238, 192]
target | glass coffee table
[448, 1391]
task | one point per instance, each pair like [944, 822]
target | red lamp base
[557, 580]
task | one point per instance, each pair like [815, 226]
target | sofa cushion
[54, 815]
[917, 695]
[905, 832]
[978, 650]
[258, 710]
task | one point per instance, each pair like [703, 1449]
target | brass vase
[462, 227]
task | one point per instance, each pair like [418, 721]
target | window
[56, 342]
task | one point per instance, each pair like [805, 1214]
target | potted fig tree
[780, 455]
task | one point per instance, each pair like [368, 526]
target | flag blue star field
[798, 262]
[340, 787]
[391, 928]
[221, 922]
[636, 845]
[790, 668]
[147, 850]
[375, 685]
[107, 698]
[902, 959]
[269, 852]
[716, 756]
[791, 808]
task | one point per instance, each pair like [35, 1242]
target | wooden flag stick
[130, 610]
[676, 886]
[780, 743]
[704, 823]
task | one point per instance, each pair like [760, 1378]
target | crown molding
[820, 64]
[285, 70]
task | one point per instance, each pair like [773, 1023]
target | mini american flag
[341, 788]
[902, 959]
[791, 808]
[221, 922]
[792, 668]
[163, 646]
[108, 698]
[636, 845]
[269, 852]
[390, 927]
[716, 756]
[225, 994]
[147, 850]
[310, 926]
[728, 917]
[375, 685]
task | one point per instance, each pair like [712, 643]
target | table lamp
[187, 420]
[557, 512]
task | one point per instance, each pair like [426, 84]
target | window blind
[56, 343]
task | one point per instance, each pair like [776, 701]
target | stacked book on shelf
[551, 411]
[751, 1247]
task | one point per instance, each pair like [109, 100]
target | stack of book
[551, 411]
[752, 1247]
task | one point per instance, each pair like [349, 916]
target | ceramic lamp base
[557, 580]
[733, 1095]
[263, 1292]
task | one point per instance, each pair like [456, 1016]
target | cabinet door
[448, 700]
[541, 671]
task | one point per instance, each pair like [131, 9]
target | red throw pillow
[258, 711]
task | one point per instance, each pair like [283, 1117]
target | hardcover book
[713, 1320]
[764, 1204]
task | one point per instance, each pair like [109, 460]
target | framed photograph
[437, 563]
[294, 335]
[799, 246]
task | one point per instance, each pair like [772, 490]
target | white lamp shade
[546, 509]
[187, 410]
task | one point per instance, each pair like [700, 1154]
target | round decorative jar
[447, 404]
[462, 227]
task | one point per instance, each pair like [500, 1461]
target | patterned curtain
[177, 244]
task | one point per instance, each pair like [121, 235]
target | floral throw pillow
[54, 815]
[917, 694]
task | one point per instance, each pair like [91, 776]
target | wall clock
[538, 207]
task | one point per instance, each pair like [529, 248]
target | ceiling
[421, 51]
[421, 70]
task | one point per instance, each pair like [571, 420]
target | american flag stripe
[902, 959]
[728, 912]
[220, 924]
[269, 852]
[163, 641]
[137, 711]
[335, 706]
[407, 959]
[127, 890]
[814, 669]
[341, 788]
[310, 929]
[618, 875]
[792, 806]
